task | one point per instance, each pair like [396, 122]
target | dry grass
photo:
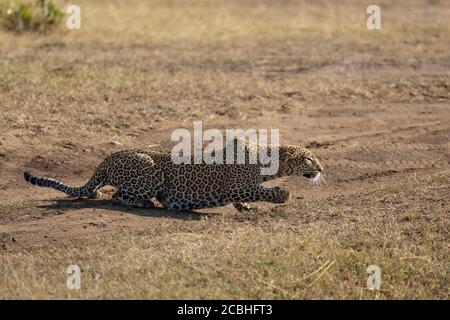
[301, 250]
[143, 62]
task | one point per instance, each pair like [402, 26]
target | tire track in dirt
[404, 149]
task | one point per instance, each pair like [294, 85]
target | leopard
[143, 175]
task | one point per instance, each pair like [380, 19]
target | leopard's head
[299, 161]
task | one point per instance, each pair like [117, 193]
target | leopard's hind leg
[95, 195]
[123, 198]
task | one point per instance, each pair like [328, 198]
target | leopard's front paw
[281, 195]
[243, 207]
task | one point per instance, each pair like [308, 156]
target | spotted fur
[141, 175]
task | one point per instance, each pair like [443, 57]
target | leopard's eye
[308, 162]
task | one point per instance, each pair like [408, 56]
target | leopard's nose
[319, 167]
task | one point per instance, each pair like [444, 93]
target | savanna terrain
[373, 105]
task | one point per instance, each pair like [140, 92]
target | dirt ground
[374, 108]
[366, 148]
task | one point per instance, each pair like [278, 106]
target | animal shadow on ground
[78, 204]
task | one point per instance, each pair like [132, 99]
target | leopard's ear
[287, 153]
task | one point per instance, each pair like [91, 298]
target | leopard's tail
[97, 180]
